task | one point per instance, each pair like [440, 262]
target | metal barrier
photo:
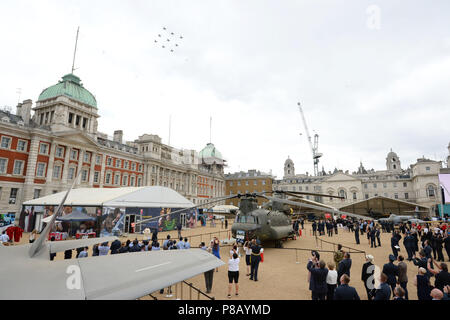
[335, 246]
[309, 249]
[199, 292]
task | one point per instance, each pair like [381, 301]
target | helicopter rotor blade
[307, 193]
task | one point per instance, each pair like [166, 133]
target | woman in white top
[331, 280]
[233, 273]
[248, 253]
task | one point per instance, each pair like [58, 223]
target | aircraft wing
[58, 246]
[134, 275]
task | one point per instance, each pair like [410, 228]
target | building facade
[418, 183]
[43, 153]
[247, 182]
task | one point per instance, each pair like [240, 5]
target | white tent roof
[142, 197]
[224, 208]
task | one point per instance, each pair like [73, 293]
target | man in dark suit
[368, 271]
[391, 271]
[373, 232]
[345, 265]
[357, 233]
[408, 242]
[344, 291]
[314, 228]
[318, 280]
[115, 246]
[384, 291]
[394, 243]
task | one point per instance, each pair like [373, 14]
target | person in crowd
[255, 260]
[427, 249]
[422, 282]
[345, 265]
[68, 254]
[368, 271]
[394, 243]
[447, 242]
[4, 238]
[318, 279]
[439, 241]
[226, 224]
[314, 228]
[302, 222]
[331, 281]
[233, 274]
[248, 254]
[180, 244]
[95, 251]
[84, 253]
[344, 291]
[179, 227]
[209, 275]
[166, 242]
[115, 246]
[436, 294]
[338, 255]
[335, 225]
[173, 245]
[135, 246]
[408, 243]
[384, 290]
[422, 261]
[52, 255]
[357, 233]
[79, 250]
[391, 271]
[187, 245]
[124, 248]
[403, 275]
[373, 232]
[377, 235]
[216, 249]
[442, 277]
[155, 246]
[103, 249]
[155, 235]
[399, 293]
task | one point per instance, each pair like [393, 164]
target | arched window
[431, 191]
[343, 194]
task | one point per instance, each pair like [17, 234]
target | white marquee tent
[142, 197]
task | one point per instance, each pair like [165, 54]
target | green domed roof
[210, 151]
[70, 86]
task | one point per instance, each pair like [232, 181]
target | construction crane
[314, 148]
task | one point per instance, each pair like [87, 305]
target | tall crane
[314, 148]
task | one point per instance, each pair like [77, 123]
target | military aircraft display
[26, 271]
[395, 219]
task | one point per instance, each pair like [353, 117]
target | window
[365, 185]
[87, 157]
[40, 170]
[374, 185]
[18, 167]
[117, 179]
[239, 183]
[71, 173]
[118, 163]
[132, 182]
[43, 148]
[96, 176]
[430, 191]
[85, 120]
[98, 159]
[84, 175]
[306, 188]
[125, 180]
[354, 195]
[73, 154]
[404, 184]
[427, 168]
[343, 194]
[133, 166]
[139, 182]
[59, 153]
[406, 195]
[140, 168]
[13, 195]
[366, 196]
[37, 193]
[77, 121]
[109, 161]
[57, 172]
[396, 195]
[125, 165]
[384, 185]
[108, 178]
[395, 184]
[255, 183]
[21, 145]
[246, 182]
[6, 142]
[231, 183]
[70, 117]
[264, 182]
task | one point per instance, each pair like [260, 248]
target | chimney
[118, 135]
[24, 110]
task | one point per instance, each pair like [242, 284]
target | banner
[110, 221]
[164, 223]
[7, 219]
[444, 181]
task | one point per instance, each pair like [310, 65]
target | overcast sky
[371, 75]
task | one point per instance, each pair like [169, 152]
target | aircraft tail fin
[40, 242]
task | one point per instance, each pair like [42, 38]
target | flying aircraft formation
[168, 40]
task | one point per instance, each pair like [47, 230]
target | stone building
[247, 182]
[43, 153]
[417, 184]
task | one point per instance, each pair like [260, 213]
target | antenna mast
[75, 51]
[210, 126]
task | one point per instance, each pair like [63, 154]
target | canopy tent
[224, 208]
[142, 197]
[76, 216]
[385, 206]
